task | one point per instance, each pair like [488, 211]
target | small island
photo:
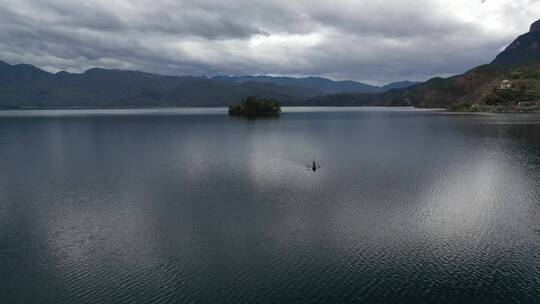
[256, 107]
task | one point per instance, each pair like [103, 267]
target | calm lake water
[192, 206]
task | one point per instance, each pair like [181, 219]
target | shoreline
[294, 109]
[193, 107]
[488, 110]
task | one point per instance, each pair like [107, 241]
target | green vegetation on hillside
[525, 85]
[462, 107]
[479, 89]
[254, 107]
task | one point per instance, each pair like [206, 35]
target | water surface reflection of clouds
[204, 207]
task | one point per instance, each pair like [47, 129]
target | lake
[194, 206]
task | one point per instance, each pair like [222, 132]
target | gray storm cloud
[372, 41]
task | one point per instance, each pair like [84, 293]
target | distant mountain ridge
[26, 86]
[325, 85]
[399, 85]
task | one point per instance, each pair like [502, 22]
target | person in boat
[314, 166]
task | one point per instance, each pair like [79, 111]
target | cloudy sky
[375, 41]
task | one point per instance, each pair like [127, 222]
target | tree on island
[256, 107]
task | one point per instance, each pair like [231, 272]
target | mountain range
[26, 86]
[323, 85]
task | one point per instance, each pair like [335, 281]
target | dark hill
[322, 85]
[25, 86]
[399, 85]
[525, 47]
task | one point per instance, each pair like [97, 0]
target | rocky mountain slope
[525, 47]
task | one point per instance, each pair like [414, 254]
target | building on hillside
[529, 104]
[505, 85]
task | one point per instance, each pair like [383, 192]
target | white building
[505, 85]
